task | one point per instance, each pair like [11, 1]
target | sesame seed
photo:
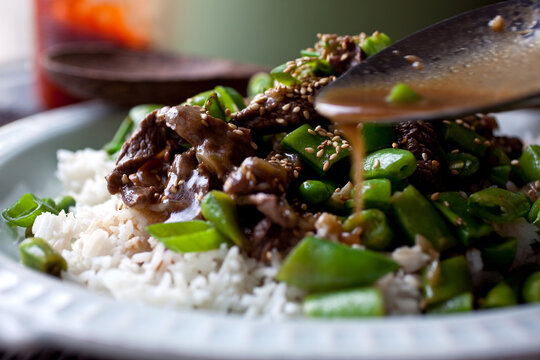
[306, 114]
[336, 138]
[281, 121]
[487, 143]
[238, 132]
[295, 174]
[311, 99]
[254, 106]
[446, 122]
[125, 179]
[318, 127]
[459, 221]
[311, 132]
[394, 145]
[454, 172]
[377, 164]
[446, 203]
[344, 57]
[309, 150]
[204, 122]
[253, 145]
[204, 116]
[326, 166]
[514, 162]
[320, 153]
[435, 196]
[338, 149]
[459, 121]
[455, 151]
[173, 189]
[537, 184]
[333, 157]
[477, 140]
[296, 109]
[345, 146]
[158, 178]
[227, 112]
[303, 207]
[324, 81]
[435, 163]
[180, 182]
[286, 107]
[424, 156]
[404, 140]
[530, 192]
[232, 126]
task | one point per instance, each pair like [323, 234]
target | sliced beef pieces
[273, 207]
[484, 125]
[153, 174]
[256, 175]
[219, 146]
[345, 54]
[420, 138]
[512, 146]
[282, 108]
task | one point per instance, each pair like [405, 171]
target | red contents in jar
[66, 21]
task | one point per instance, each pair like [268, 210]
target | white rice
[108, 250]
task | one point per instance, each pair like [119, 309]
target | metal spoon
[483, 60]
[129, 77]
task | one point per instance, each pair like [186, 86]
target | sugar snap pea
[392, 164]
[498, 205]
[350, 303]
[37, 254]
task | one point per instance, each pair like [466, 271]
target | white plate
[37, 309]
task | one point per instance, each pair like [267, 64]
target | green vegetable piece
[462, 164]
[416, 215]
[453, 207]
[25, 210]
[445, 279]
[315, 192]
[500, 295]
[64, 203]
[188, 236]
[500, 256]
[529, 163]
[465, 138]
[376, 43]
[259, 83]
[37, 254]
[534, 214]
[376, 193]
[319, 265]
[377, 233]
[498, 205]
[213, 105]
[350, 303]
[402, 94]
[199, 99]
[135, 116]
[377, 136]
[301, 139]
[278, 73]
[227, 101]
[531, 288]
[392, 164]
[218, 208]
[309, 53]
[459, 303]
[499, 175]
[498, 156]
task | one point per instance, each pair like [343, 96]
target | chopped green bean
[465, 138]
[392, 164]
[37, 254]
[462, 164]
[453, 207]
[64, 203]
[376, 194]
[445, 279]
[500, 295]
[402, 94]
[498, 205]
[213, 106]
[25, 210]
[529, 163]
[499, 175]
[376, 43]
[278, 73]
[417, 216]
[315, 192]
[218, 208]
[377, 136]
[459, 303]
[500, 256]
[376, 231]
[319, 265]
[259, 83]
[534, 214]
[188, 236]
[350, 303]
[531, 288]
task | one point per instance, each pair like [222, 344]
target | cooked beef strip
[276, 208]
[153, 174]
[342, 52]
[512, 146]
[419, 137]
[256, 175]
[282, 108]
[219, 146]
